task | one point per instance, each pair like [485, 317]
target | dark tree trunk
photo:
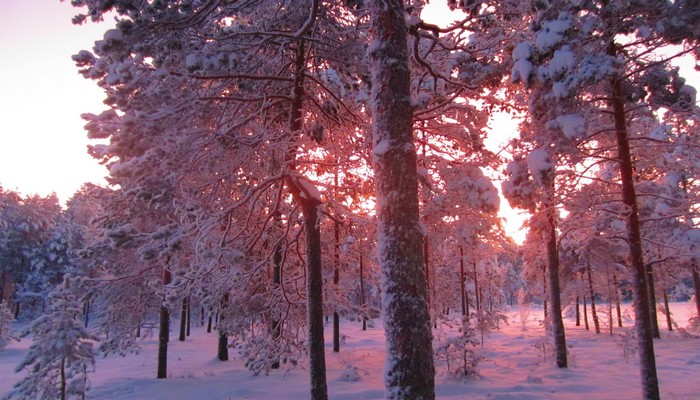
[585, 314]
[647, 360]
[617, 302]
[362, 292]
[553, 275]
[222, 348]
[189, 315]
[17, 308]
[183, 320]
[578, 312]
[211, 317]
[314, 284]
[669, 320]
[201, 316]
[653, 315]
[86, 312]
[594, 313]
[163, 333]
[336, 281]
[476, 287]
[544, 290]
[462, 289]
[277, 258]
[696, 286]
[409, 373]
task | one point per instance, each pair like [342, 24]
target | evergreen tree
[61, 354]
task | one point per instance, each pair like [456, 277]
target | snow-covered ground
[514, 367]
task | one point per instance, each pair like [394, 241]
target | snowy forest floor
[514, 367]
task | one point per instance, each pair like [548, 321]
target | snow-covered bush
[61, 354]
[5, 328]
[627, 343]
[459, 355]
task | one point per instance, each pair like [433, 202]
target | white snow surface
[513, 367]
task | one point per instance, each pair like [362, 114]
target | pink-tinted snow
[513, 368]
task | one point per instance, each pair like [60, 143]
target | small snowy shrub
[458, 354]
[523, 309]
[5, 328]
[627, 343]
[61, 354]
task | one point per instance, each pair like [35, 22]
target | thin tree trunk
[462, 282]
[183, 320]
[362, 291]
[63, 379]
[553, 275]
[222, 347]
[654, 317]
[336, 281]
[211, 317]
[189, 316]
[647, 360]
[277, 258]
[86, 311]
[585, 314]
[476, 287]
[617, 302]
[163, 332]
[544, 290]
[669, 320]
[409, 372]
[594, 313]
[696, 286]
[578, 312]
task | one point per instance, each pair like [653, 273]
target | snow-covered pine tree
[61, 354]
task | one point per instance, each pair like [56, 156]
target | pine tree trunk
[553, 275]
[362, 291]
[222, 347]
[336, 281]
[578, 312]
[211, 317]
[617, 302]
[183, 320]
[314, 276]
[594, 313]
[544, 290]
[189, 316]
[476, 287]
[277, 257]
[669, 320]
[163, 332]
[696, 286]
[585, 314]
[63, 379]
[462, 283]
[656, 334]
[647, 360]
[409, 372]
[86, 312]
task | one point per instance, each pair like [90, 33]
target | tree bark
[336, 280]
[314, 284]
[585, 314]
[462, 289]
[669, 320]
[654, 317]
[553, 275]
[183, 320]
[277, 257]
[696, 286]
[362, 291]
[163, 333]
[617, 302]
[409, 372]
[647, 360]
[222, 347]
[594, 313]
[578, 312]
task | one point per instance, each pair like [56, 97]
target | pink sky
[42, 142]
